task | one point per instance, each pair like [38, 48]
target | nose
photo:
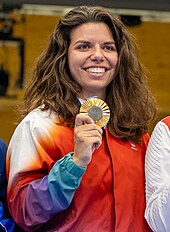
[97, 54]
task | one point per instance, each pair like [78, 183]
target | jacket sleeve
[36, 185]
[3, 183]
[157, 167]
[6, 222]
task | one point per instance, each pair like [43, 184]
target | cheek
[73, 67]
[69, 59]
[73, 59]
[71, 63]
[114, 60]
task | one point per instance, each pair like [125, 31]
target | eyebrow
[87, 42]
[109, 42]
[82, 41]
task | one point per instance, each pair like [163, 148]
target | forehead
[91, 30]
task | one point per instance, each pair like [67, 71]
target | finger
[88, 130]
[96, 144]
[87, 146]
[82, 119]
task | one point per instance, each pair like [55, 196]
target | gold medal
[97, 109]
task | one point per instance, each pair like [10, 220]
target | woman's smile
[95, 72]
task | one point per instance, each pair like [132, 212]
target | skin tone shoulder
[92, 59]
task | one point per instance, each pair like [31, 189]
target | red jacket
[111, 195]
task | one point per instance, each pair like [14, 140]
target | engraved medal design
[97, 109]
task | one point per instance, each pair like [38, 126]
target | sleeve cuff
[72, 167]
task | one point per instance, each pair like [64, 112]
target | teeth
[95, 70]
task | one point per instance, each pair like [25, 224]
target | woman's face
[92, 58]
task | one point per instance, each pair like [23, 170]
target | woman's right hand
[87, 138]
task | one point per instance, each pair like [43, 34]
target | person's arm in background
[6, 222]
[3, 183]
[157, 167]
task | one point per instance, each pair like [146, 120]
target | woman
[158, 177]
[65, 172]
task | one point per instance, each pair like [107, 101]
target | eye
[109, 47]
[83, 46]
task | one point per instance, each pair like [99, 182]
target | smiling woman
[92, 58]
[64, 169]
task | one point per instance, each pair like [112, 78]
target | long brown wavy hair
[131, 103]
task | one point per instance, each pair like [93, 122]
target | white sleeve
[157, 171]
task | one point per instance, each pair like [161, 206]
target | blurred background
[25, 28]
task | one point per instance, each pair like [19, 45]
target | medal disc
[97, 109]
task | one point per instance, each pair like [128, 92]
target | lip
[93, 67]
[93, 73]
[96, 70]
